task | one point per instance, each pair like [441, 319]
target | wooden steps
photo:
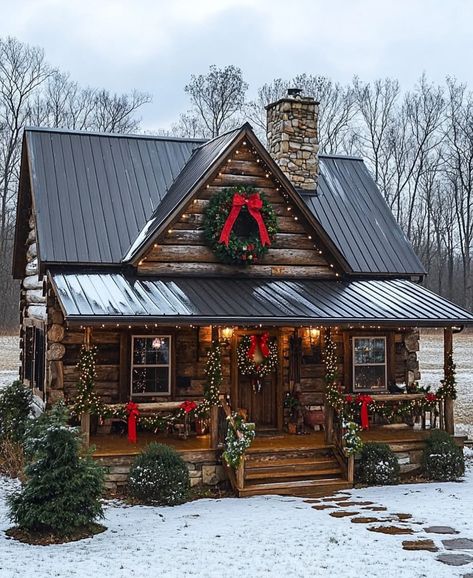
[292, 471]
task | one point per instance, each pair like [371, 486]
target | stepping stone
[441, 530]
[336, 499]
[391, 530]
[375, 508]
[323, 507]
[311, 501]
[469, 575]
[420, 545]
[341, 514]
[403, 516]
[455, 559]
[365, 520]
[458, 544]
[344, 504]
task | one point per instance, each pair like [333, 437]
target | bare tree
[217, 98]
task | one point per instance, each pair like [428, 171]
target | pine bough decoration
[238, 439]
[87, 400]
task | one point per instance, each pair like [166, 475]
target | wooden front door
[262, 405]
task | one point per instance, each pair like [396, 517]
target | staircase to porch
[309, 471]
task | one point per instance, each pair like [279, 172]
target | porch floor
[118, 445]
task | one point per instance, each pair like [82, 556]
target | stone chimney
[292, 137]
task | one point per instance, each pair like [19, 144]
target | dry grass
[12, 459]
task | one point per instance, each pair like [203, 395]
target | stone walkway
[453, 551]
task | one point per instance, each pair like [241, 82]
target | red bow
[365, 400]
[254, 204]
[430, 397]
[262, 341]
[188, 406]
[133, 413]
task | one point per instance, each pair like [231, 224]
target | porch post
[447, 350]
[85, 417]
[214, 408]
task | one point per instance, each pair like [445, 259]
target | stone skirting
[204, 470]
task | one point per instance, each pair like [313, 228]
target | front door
[261, 402]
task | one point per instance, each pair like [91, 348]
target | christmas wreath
[239, 224]
[257, 357]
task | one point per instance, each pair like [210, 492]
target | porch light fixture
[157, 343]
[314, 333]
[226, 333]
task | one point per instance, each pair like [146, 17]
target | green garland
[241, 251]
[249, 368]
[236, 445]
[87, 400]
[448, 386]
[353, 443]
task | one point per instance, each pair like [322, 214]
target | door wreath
[257, 357]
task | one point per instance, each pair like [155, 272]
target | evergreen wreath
[247, 365]
[242, 249]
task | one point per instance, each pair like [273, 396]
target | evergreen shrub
[379, 465]
[442, 459]
[159, 476]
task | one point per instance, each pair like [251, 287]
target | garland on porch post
[213, 371]
[329, 356]
[87, 400]
[448, 387]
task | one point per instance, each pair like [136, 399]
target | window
[150, 365]
[369, 364]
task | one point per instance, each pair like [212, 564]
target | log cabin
[158, 251]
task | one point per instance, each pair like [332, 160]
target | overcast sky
[155, 45]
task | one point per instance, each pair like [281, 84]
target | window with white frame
[369, 364]
[151, 365]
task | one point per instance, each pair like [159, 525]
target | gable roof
[93, 192]
[99, 198]
[352, 210]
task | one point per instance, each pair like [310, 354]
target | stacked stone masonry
[293, 139]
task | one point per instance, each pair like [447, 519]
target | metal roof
[104, 296]
[99, 198]
[202, 159]
[353, 212]
[94, 192]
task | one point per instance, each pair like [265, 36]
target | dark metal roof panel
[93, 193]
[102, 296]
[350, 207]
[202, 159]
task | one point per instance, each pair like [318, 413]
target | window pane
[369, 350]
[150, 380]
[151, 350]
[370, 377]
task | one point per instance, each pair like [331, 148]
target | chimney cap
[294, 91]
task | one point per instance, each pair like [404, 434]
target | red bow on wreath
[133, 413]
[262, 341]
[254, 204]
[365, 400]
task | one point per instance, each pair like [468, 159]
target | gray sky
[155, 46]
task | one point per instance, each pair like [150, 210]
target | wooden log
[56, 373]
[31, 237]
[227, 180]
[154, 268]
[351, 469]
[269, 191]
[214, 427]
[329, 415]
[154, 405]
[55, 352]
[36, 312]
[32, 252]
[56, 317]
[203, 254]
[32, 282]
[34, 296]
[286, 224]
[85, 428]
[240, 474]
[239, 166]
[198, 206]
[32, 267]
[32, 221]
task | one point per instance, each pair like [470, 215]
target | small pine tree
[63, 488]
[15, 408]
[379, 465]
[442, 459]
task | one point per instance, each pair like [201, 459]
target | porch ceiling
[106, 297]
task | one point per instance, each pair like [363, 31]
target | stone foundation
[203, 468]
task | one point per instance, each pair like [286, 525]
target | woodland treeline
[418, 144]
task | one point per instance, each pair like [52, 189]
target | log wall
[183, 249]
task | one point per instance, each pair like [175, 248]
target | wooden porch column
[447, 350]
[85, 417]
[214, 409]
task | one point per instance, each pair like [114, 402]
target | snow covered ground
[9, 358]
[258, 537]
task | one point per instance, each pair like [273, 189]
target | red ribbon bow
[188, 406]
[262, 341]
[133, 413]
[254, 204]
[430, 397]
[365, 400]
